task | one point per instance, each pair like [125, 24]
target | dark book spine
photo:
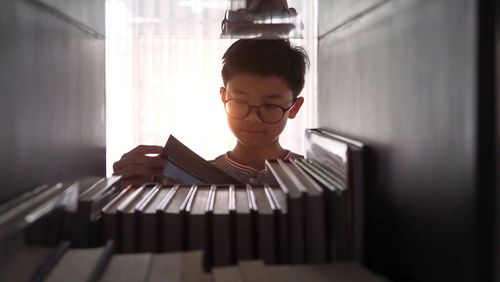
[196, 231]
[172, 232]
[128, 231]
[357, 184]
[110, 227]
[148, 242]
[315, 229]
[330, 199]
[295, 222]
[209, 248]
[341, 224]
[253, 221]
[244, 237]
[265, 238]
[280, 227]
[221, 240]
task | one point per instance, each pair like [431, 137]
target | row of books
[230, 222]
[102, 264]
[296, 222]
[315, 215]
[335, 164]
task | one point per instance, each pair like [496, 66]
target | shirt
[246, 174]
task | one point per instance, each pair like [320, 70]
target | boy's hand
[140, 165]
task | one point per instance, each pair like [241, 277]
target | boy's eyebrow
[268, 96]
[240, 92]
[273, 96]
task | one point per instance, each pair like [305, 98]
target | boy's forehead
[265, 86]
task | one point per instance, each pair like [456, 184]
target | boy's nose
[253, 115]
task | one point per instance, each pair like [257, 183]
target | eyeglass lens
[268, 113]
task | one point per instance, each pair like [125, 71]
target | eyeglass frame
[284, 109]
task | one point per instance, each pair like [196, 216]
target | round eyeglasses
[267, 113]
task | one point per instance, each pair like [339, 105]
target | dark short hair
[267, 57]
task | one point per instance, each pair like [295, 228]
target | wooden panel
[52, 117]
[89, 13]
[497, 165]
[402, 79]
[331, 14]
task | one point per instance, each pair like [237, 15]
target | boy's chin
[254, 141]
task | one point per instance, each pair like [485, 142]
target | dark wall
[496, 249]
[497, 164]
[52, 102]
[403, 77]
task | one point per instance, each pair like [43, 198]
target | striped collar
[248, 169]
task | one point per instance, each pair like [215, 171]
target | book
[221, 225]
[186, 167]
[314, 212]
[23, 198]
[279, 199]
[244, 224]
[197, 218]
[149, 227]
[29, 207]
[343, 160]
[335, 212]
[267, 216]
[91, 200]
[110, 223]
[172, 218]
[39, 216]
[295, 208]
[321, 175]
[129, 218]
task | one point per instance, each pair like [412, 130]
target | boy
[262, 82]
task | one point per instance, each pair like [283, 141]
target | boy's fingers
[146, 149]
[138, 171]
[133, 154]
[141, 161]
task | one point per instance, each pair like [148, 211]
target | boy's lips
[252, 131]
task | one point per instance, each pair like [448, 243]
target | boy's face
[258, 90]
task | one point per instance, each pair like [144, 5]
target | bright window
[163, 61]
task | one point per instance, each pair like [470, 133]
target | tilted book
[186, 167]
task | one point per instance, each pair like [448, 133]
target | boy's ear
[222, 92]
[295, 109]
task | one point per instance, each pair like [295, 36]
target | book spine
[128, 231]
[148, 242]
[172, 236]
[315, 229]
[221, 240]
[295, 222]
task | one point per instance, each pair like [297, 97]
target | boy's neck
[255, 157]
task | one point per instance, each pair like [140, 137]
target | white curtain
[163, 62]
